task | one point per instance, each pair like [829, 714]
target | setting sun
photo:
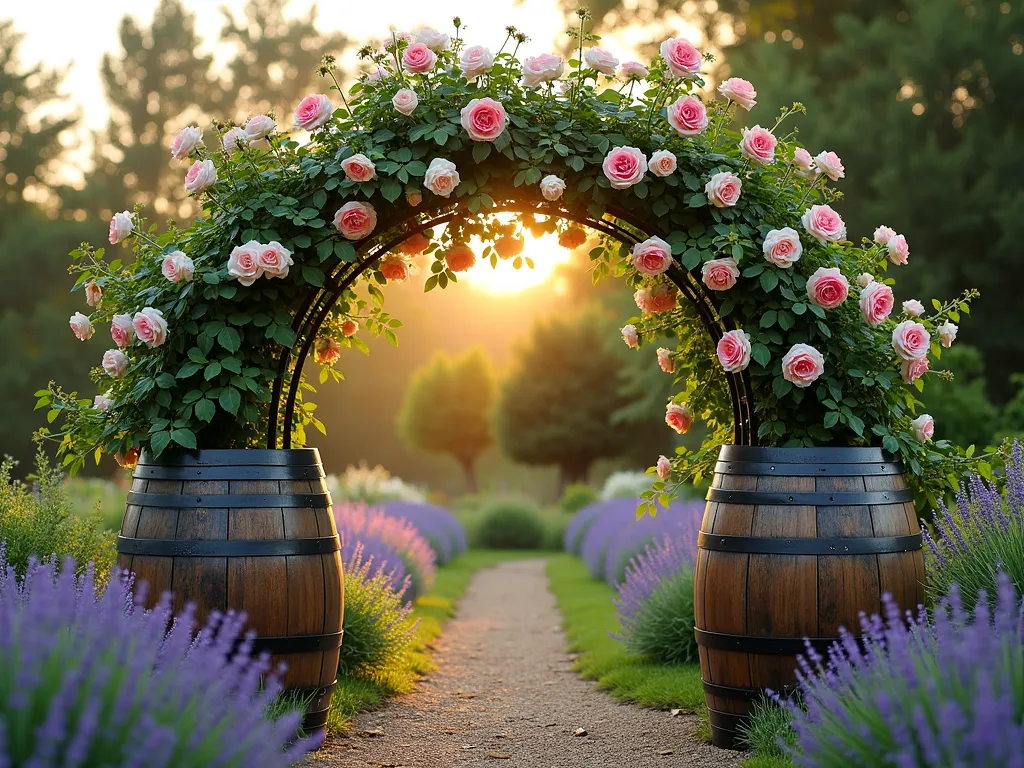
[545, 252]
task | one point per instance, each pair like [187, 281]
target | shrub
[681, 521]
[45, 525]
[626, 485]
[90, 678]
[442, 530]
[511, 525]
[981, 537]
[941, 694]
[655, 602]
[361, 524]
[372, 486]
[577, 496]
[554, 531]
[378, 628]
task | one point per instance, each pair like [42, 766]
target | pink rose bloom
[864, 279]
[682, 58]
[803, 163]
[662, 163]
[679, 417]
[274, 259]
[911, 340]
[884, 234]
[103, 402]
[121, 226]
[601, 60]
[827, 287]
[436, 41]
[624, 166]
[349, 328]
[664, 468]
[898, 250]
[355, 220]
[656, 299]
[441, 178]
[739, 90]
[150, 326]
[460, 257]
[376, 75]
[359, 168]
[876, 303]
[723, 189]
[405, 101]
[665, 361]
[257, 129]
[233, 138]
[115, 363]
[93, 294]
[913, 308]
[924, 428]
[758, 145]
[802, 365]
[121, 330]
[734, 351]
[186, 142]
[630, 336]
[542, 69]
[823, 224]
[633, 70]
[81, 326]
[782, 247]
[830, 164]
[911, 370]
[947, 333]
[313, 112]
[200, 176]
[414, 197]
[552, 187]
[483, 119]
[720, 274]
[244, 263]
[394, 269]
[652, 257]
[418, 58]
[688, 116]
[177, 267]
[475, 61]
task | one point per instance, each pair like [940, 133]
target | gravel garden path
[505, 694]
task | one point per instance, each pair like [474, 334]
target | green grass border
[355, 694]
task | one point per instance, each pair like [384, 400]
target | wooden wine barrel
[794, 543]
[253, 531]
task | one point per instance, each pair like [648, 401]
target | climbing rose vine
[441, 126]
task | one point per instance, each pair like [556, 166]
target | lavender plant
[437, 525]
[946, 693]
[581, 522]
[89, 678]
[610, 524]
[681, 521]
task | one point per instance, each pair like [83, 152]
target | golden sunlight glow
[545, 252]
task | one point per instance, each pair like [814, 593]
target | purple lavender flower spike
[437, 525]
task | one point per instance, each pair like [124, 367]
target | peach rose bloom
[355, 220]
[682, 58]
[572, 238]
[244, 263]
[898, 250]
[663, 163]
[460, 257]
[542, 69]
[884, 234]
[475, 61]
[679, 417]
[349, 328]
[122, 330]
[359, 168]
[720, 274]
[723, 189]
[827, 287]
[508, 246]
[150, 326]
[313, 112]
[414, 197]
[418, 59]
[186, 142]
[552, 187]
[326, 351]
[274, 259]
[911, 340]
[924, 427]
[405, 101]
[257, 129]
[688, 116]
[115, 363]
[601, 60]
[824, 224]
[652, 257]
[830, 164]
[177, 267]
[733, 351]
[93, 294]
[633, 70]
[782, 247]
[483, 119]
[200, 176]
[876, 303]
[802, 365]
[121, 225]
[947, 333]
[630, 336]
[656, 299]
[663, 468]
[739, 90]
[234, 138]
[911, 370]
[758, 145]
[665, 360]
[414, 245]
[624, 166]
[913, 308]
[127, 460]
[81, 326]
[394, 269]
[441, 177]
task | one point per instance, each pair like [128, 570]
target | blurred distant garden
[933, 86]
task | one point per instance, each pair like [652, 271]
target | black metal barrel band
[231, 500]
[825, 455]
[297, 643]
[315, 720]
[770, 469]
[238, 457]
[736, 694]
[321, 545]
[728, 726]
[771, 646]
[203, 472]
[811, 499]
[809, 546]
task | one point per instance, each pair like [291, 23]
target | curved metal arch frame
[318, 304]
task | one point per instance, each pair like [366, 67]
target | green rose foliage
[209, 384]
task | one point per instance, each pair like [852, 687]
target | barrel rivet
[885, 495]
[772, 469]
[198, 499]
[790, 498]
[846, 549]
[831, 498]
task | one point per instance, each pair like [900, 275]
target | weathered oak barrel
[253, 531]
[794, 543]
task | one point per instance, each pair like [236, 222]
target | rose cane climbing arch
[212, 324]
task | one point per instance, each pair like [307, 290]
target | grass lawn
[358, 694]
[589, 616]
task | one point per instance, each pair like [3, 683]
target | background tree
[447, 409]
[557, 404]
[962, 411]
